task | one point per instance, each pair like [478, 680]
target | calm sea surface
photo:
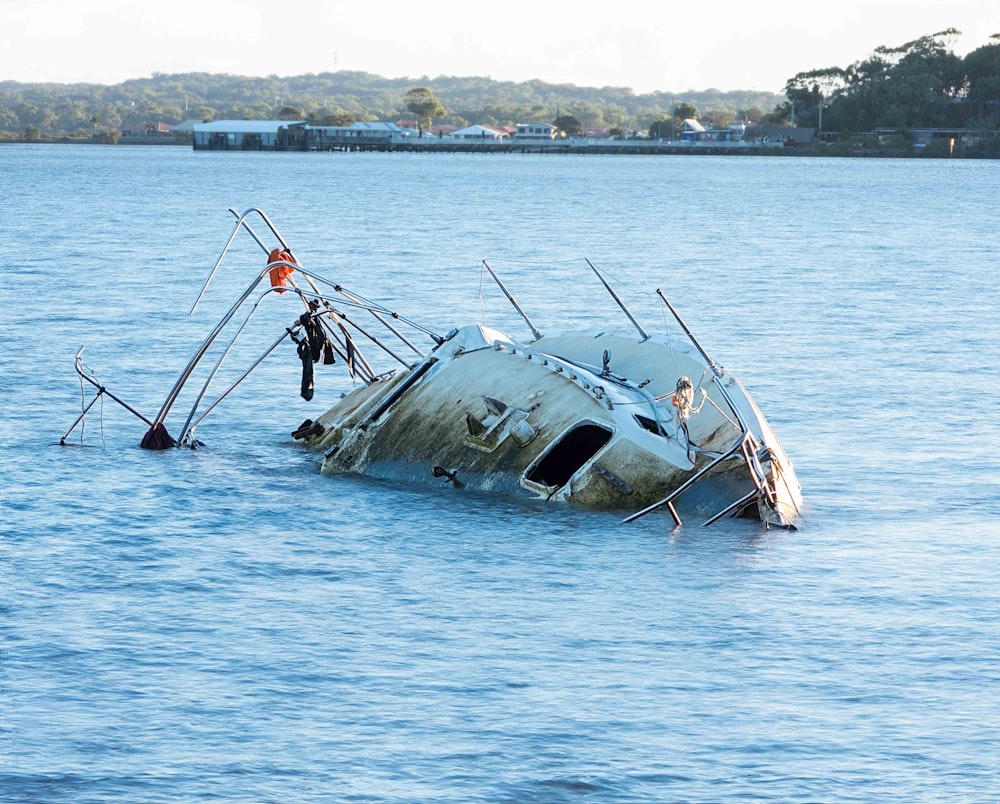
[227, 625]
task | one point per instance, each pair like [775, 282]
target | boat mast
[511, 299]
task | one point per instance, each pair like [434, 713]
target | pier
[573, 146]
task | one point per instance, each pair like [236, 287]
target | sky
[647, 45]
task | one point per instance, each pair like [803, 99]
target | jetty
[282, 135]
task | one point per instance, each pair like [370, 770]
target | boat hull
[582, 419]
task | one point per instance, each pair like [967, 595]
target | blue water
[227, 625]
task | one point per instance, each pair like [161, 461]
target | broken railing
[325, 302]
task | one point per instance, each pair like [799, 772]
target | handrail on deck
[690, 481]
[746, 444]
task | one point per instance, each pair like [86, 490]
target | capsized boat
[632, 422]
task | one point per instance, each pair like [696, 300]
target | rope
[722, 413]
[83, 404]
[482, 301]
[83, 408]
[621, 282]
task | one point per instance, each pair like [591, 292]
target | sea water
[226, 624]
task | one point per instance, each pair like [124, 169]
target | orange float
[280, 274]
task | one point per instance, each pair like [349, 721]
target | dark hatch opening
[572, 451]
[648, 424]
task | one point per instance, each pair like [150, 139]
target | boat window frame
[559, 444]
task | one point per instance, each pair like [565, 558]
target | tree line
[918, 84]
[340, 98]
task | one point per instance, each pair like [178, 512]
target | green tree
[781, 115]
[8, 120]
[663, 129]
[918, 84]
[110, 117]
[809, 92]
[422, 104]
[686, 111]
[982, 70]
[29, 113]
[331, 117]
[569, 125]
[718, 119]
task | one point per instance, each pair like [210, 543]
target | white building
[245, 135]
[535, 131]
[478, 133]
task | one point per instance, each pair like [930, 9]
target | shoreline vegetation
[917, 99]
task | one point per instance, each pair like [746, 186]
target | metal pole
[186, 373]
[101, 390]
[619, 302]
[86, 410]
[372, 307]
[704, 354]
[511, 299]
[104, 390]
[188, 431]
[687, 483]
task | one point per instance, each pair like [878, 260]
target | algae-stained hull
[581, 418]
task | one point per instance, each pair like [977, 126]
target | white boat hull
[552, 419]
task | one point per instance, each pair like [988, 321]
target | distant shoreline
[612, 147]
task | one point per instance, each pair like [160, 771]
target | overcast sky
[643, 44]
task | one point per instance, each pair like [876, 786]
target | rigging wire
[482, 301]
[83, 404]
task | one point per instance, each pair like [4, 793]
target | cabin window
[566, 456]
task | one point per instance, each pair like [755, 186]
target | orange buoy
[280, 274]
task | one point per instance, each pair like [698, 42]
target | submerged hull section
[589, 420]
